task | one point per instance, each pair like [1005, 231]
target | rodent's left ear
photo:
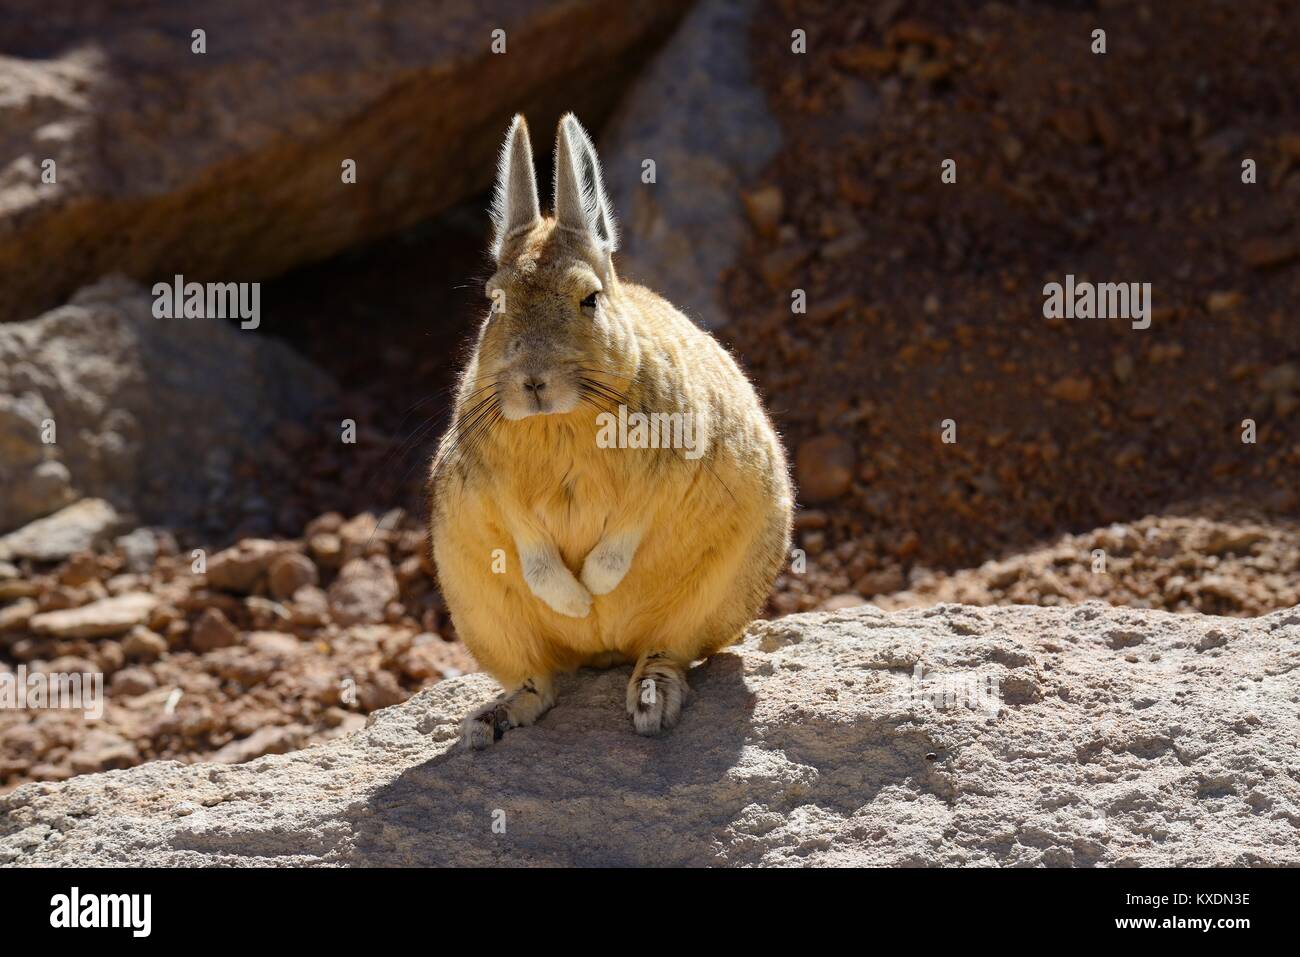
[581, 203]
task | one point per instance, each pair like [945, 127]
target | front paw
[567, 597]
[555, 585]
[603, 570]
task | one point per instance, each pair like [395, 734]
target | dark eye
[590, 301]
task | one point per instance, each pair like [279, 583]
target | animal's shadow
[579, 787]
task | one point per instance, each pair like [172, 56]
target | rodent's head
[555, 321]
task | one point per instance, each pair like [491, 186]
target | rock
[151, 414]
[15, 588]
[379, 690]
[362, 591]
[273, 740]
[15, 616]
[429, 656]
[698, 112]
[271, 92]
[310, 607]
[811, 743]
[1071, 389]
[327, 548]
[240, 568]
[99, 619]
[274, 643]
[764, 206]
[133, 681]
[1266, 251]
[213, 630]
[824, 468]
[141, 644]
[77, 528]
[289, 572]
[1217, 303]
[883, 582]
[103, 750]
[140, 548]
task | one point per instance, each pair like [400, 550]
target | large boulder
[1098, 736]
[226, 165]
[101, 398]
[699, 113]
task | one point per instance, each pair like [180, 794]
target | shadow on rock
[580, 787]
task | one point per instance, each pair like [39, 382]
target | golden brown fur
[706, 534]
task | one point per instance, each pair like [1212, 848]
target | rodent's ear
[514, 206]
[581, 203]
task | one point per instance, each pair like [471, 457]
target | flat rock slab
[99, 619]
[228, 164]
[76, 528]
[1101, 737]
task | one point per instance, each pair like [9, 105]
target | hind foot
[656, 693]
[521, 707]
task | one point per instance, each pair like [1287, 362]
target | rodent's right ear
[515, 208]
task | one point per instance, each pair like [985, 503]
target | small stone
[274, 643]
[1267, 251]
[309, 607]
[240, 569]
[263, 741]
[362, 591]
[764, 207]
[289, 572]
[103, 750]
[838, 602]
[134, 681]
[99, 619]
[213, 630]
[883, 582]
[1221, 302]
[15, 617]
[140, 548]
[141, 644]
[327, 549]
[1072, 389]
[824, 468]
[380, 690]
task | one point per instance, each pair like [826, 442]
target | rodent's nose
[534, 385]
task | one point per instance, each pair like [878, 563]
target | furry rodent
[555, 550]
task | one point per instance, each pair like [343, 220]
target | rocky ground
[1115, 737]
[261, 648]
[924, 298]
[1074, 439]
[274, 644]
